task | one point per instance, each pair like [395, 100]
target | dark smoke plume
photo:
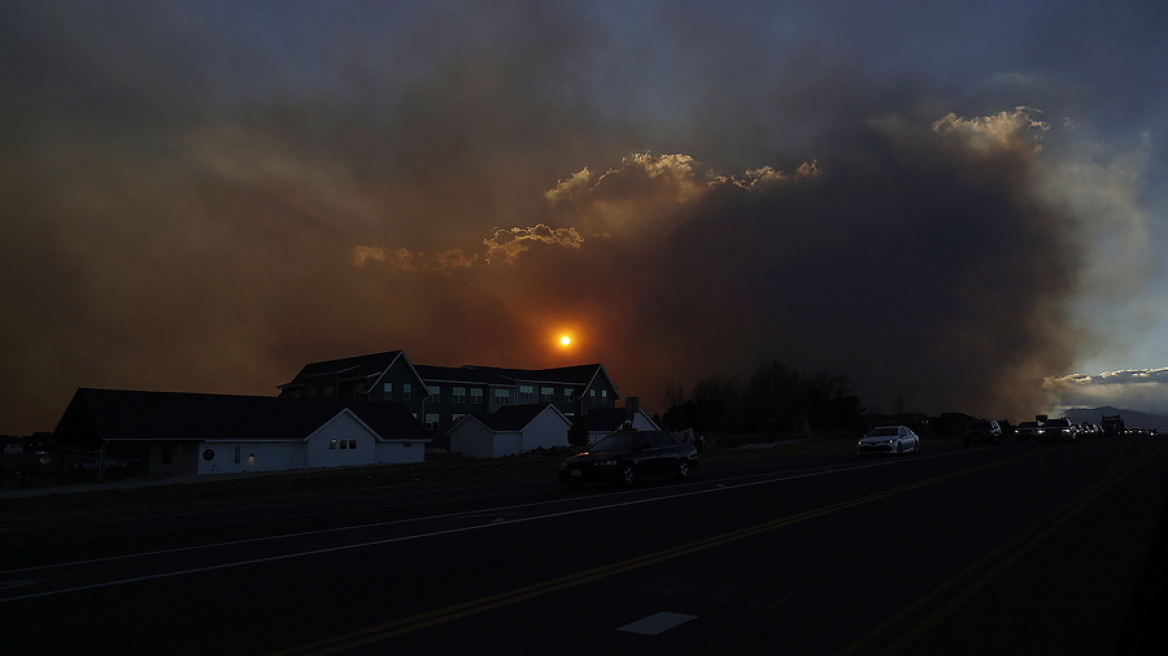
[187, 206]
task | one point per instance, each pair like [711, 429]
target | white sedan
[890, 439]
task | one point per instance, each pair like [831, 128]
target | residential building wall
[401, 451]
[546, 431]
[445, 407]
[237, 457]
[472, 439]
[174, 458]
[443, 410]
[475, 439]
[342, 441]
[507, 444]
[399, 383]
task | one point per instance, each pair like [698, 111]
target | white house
[342, 441]
[510, 430]
[178, 433]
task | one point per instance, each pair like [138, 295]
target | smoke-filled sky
[948, 203]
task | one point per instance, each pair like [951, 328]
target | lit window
[604, 394]
[526, 393]
[592, 393]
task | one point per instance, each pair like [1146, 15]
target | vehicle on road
[1113, 425]
[983, 432]
[890, 440]
[1060, 429]
[629, 456]
[1029, 430]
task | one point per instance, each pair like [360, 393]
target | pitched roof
[471, 375]
[354, 368]
[513, 417]
[104, 414]
[364, 367]
[580, 375]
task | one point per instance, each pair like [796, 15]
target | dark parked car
[626, 457]
[983, 432]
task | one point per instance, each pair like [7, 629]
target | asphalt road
[1017, 549]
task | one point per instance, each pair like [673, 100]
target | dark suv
[983, 432]
[1061, 430]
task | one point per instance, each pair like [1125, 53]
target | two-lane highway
[991, 549]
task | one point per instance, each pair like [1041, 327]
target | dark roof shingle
[355, 368]
[511, 417]
[138, 415]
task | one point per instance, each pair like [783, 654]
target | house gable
[377, 376]
[342, 440]
[510, 430]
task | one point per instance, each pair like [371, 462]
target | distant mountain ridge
[1131, 418]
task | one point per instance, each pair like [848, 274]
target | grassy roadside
[96, 503]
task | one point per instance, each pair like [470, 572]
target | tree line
[775, 397]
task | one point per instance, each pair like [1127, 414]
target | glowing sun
[565, 340]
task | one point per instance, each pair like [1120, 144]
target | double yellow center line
[393, 628]
[969, 581]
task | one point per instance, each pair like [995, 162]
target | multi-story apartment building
[440, 396]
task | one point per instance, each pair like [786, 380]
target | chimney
[632, 405]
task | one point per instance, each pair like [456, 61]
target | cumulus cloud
[362, 255]
[1144, 389]
[503, 247]
[506, 245]
[1016, 129]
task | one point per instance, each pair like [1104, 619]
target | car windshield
[887, 431]
[617, 442]
[1028, 424]
[1059, 422]
[980, 425]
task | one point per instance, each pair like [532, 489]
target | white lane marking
[657, 624]
[405, 538]
[497, 518]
